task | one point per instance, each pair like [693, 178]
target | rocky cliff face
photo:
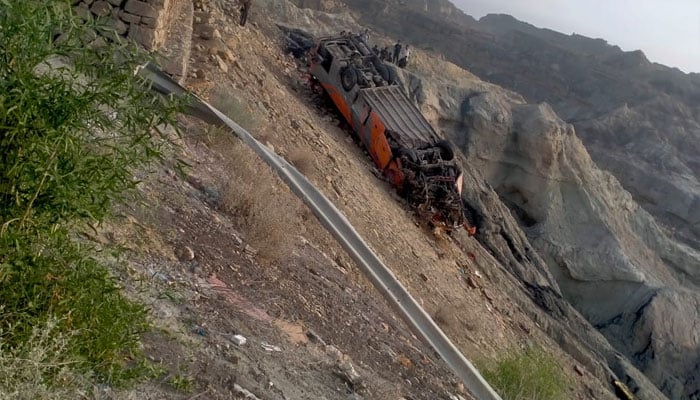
[607, 255]
[621, 246]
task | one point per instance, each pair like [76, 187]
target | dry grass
[265, 210]
[302, 159]
[40, 368]
[235, 106]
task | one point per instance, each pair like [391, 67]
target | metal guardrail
[336, 223]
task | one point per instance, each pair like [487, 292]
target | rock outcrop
[607, 255]
[163, 26]
[524, 154]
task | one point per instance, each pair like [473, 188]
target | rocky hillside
[251, 297]
[621, 247]
[254, 300]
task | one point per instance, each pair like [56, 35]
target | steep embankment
[443, 86]
[624, 266]
[486, 317]
[227, 250]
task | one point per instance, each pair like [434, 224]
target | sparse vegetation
[252, 193]
[73, 125]
[258, 201]
[231, 104]
[182, 383]
[527, 374]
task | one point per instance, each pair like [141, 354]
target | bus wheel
[348, 78]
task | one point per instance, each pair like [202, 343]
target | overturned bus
[401, 142]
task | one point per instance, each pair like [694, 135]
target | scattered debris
[250, 250]
[298, 42]
[405, 361]
[199, 330]
[161, 277]
[524, 327]
[239, 340]
[471, 282]
[270, 347]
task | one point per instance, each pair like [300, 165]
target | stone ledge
[143, 35]
[140, 8]
[129, 18]
[143, 21]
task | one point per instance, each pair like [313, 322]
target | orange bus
[401, 142]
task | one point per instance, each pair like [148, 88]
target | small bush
[529, 374]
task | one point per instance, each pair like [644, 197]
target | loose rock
[206, 32]
[247, 395]
[184, 253]
[347, 372]
[221, 63]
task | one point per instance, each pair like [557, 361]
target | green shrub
[74, 123]
[529, 374]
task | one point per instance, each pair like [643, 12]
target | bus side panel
[379, 146]
[340, 103]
